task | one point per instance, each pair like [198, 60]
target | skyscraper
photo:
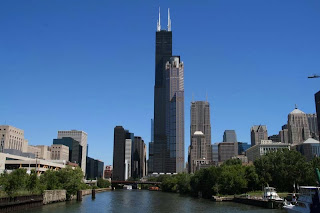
[81, 137]
[200, 151]
[283, 134]
[230, 136]
[150, 160]
[317, 100]
[138, 158]
[168, 105]
[258, 133]
[122, 153]
[298, 127]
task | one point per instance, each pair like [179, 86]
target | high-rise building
[175, 115]
[168, 105]
[151, 145]
[200, 149]
[283, 134]
[108, 171]
[81, 137]
[138, 158]
[317, 101]
[298, 127]
[123, 140]
[163, 54]
[12, 138]
[75, 149]
[258, 133]
[313, 126]
[230, 136]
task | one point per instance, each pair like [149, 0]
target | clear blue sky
[89, 65]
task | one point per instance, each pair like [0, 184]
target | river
[137, 201]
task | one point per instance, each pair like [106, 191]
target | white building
[264, 147]
[40, 151]
[127, 158]
[81, 137]
[12, 138]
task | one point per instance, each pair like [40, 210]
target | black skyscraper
[163, 54]
[118, 153]
[317, 99]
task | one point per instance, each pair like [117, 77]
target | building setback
[258, 133]
[59, 152]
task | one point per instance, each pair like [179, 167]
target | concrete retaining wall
[86, 192]
[51, 196]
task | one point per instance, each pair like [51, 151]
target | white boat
[308, 201]
[128, 187]
[269, 193]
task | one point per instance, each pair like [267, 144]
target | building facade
[313, 126]
[200, 150]
[75, 149]
[94, 169]
[317, 101]
[242, 148]
[108, 172]
[128, 158]
[215, 153]
[230, 136]
[12, 138]
[258, 133]
[82, 138]
[227, 150]
[119, 153]
[263, 148]
[310, 148]
[139, 161]
[298, 127]
[59, 152]
[284, 134]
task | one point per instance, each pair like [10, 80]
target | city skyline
[53, 93]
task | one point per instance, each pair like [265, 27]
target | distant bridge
[134, 182]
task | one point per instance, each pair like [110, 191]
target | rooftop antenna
[169, 20]
[206, 96]
[192, 97]
[158, 22]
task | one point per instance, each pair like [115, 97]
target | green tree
[14, 181]
[101, 183]
[252, 178]
[183, 183]
[33, 182]
[49, 179]
[232, 179]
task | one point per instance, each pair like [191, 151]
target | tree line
[67, 178]
[280, 169]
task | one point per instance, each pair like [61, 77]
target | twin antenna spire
[169, 21]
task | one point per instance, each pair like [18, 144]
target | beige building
[41, 151]
[263, 148]
[258, 133]
[200, 153]
[12, 138]
[59, 152]
[284, 135]
[81, 137]
[298, 127]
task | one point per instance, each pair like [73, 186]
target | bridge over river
[134, 182]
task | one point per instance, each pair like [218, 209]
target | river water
[137, 201]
